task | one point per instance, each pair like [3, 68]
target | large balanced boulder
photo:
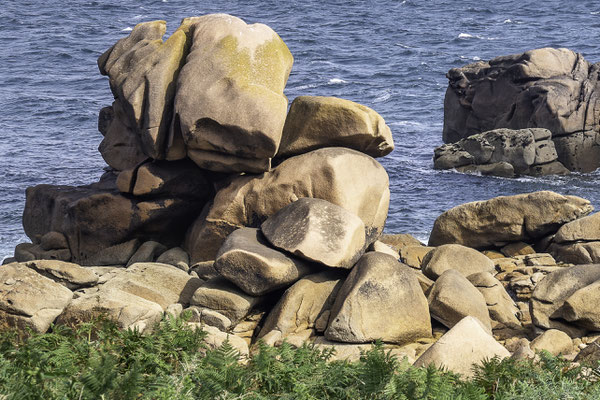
[547, 88]
[344, 177]
[97, 216]
[246, 260]
[463, 259]
[229, 105]
[503, 152]
[317, 230]
[380, 299]
[467, 344]
[314, 122]
[453, 297]
[28, 299]
[551, 292]
[302, 305]
[522, 217]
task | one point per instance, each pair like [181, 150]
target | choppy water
[389, 55]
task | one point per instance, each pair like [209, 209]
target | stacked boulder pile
[534, 113]
[268, 226]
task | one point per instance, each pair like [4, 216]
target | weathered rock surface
[380, 299]
[314, 122]
[522, 217]
[220, 295]
[317, 230]
[303, 304]
[126, 309]
[581, 308]
[246, 260]
[578, 242]
[523, 151]
[174, 256]
[119, 254]
[70, 275]
[552, 291]
[463, 259]
[547, 88]
[229, 104]
[466, 344]
[344, 177]
[28, 299]
[501, 306]
[160, 283]
[147, 253]
[96, 217]
[453, 297]
[215, 338]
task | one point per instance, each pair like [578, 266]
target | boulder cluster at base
[265, 224]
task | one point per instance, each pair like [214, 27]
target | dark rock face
[547, 88]
[97, 216]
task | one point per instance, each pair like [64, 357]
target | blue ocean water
[389, 55]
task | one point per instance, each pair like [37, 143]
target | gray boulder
[318, 231]
[463, 259]
[380, 299]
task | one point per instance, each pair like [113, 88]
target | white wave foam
[404, 46]
[476, 58]
[128, 29]
[595, 12]
[507, 21]
[337, 81]
[386, 95]
[469, 36]
[303, 87]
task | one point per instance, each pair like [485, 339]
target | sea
[389, 55]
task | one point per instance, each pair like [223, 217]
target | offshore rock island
[267, 224]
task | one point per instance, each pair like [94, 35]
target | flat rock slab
[319, 231]
[467, 344]
[126, 309]
[463, 259]
[220, 295]
[314, 122]
[28, 299]
[160, 283]
[453, 297]
[380, 299]
[246, 260]
[504, 219]
[70, 275]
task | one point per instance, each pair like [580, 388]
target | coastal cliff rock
[504, 219]
[344, 177]
[547, 88]
[314, 122]
[502, 152]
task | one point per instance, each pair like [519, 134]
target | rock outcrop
[502, 152]
[555, 89]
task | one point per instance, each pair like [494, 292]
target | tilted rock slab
[551, 292]
[143, 71]
[246, 260]
[303, 304]
[229, 107]
[581, 308]
[317, 230]
[344, 177]
[522, 217]
[28, 299]
[97, 216]
[501, 306]
[523, 151]
[547, 88]
[465, 345]
[71, 276]
[463, 259]
[453, 297]
[314, 122]
[380, 299]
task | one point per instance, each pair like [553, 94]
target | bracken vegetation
[99, 361]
